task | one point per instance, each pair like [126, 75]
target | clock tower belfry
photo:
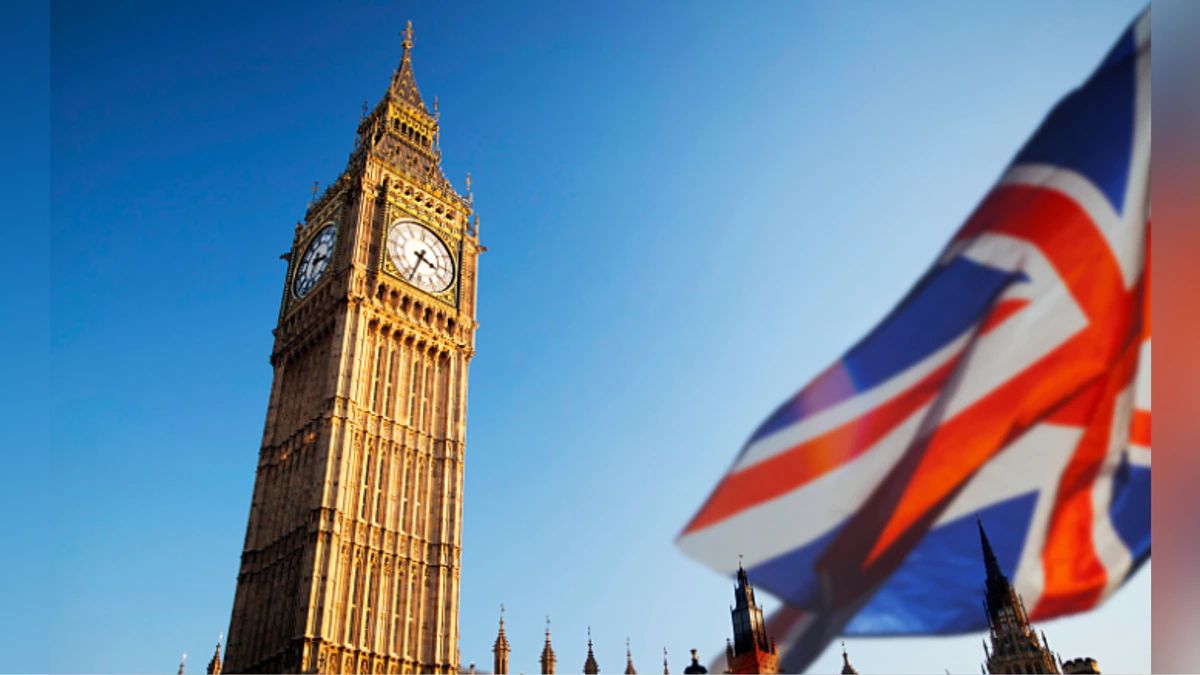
[352, 553]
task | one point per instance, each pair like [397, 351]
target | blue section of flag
[1130, 507]
[951, 554]
[942, 307]
[791, 576]
[945, 304]
[1091, 130]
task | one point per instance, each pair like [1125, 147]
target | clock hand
[420, 259]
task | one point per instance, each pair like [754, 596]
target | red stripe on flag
[817, 456]
[1068, 238]
[1139, 428]
[1001, 312]
[1073, 572]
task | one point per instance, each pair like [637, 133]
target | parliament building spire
[500, 649]
[547, 659]
[1016, 647]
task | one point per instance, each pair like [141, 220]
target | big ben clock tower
[352, 552]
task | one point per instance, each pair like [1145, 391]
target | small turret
[847, 669]
[547, 653]
[500, 649]
[695, 668]
[214, 664]
[590, 666]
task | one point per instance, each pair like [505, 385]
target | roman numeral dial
[314, 261]
[420, 256]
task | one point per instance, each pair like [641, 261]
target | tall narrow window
[424, 397]
[412, 388]
[367, 606]
[403, 490]
[375, 382]
[387, 383]
[397, 610]
[366, 482]
[375, 514]
[352, 614]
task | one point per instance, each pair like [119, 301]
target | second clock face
[314, 261]
[420, 256]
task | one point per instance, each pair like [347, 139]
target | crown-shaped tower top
[404, 84]
[402, 132]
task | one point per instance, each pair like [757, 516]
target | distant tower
[182, 661]
[547, 653]
[752, 650]
[666, 668]
[695, 668]
[214, 664]
[590, 667]
[500, 649]
[629, 669]
[847, 669]
[1015, 645]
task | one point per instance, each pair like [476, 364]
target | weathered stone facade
[352, 553]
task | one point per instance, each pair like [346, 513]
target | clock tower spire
[352, 554]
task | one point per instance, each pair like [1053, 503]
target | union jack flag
[1013, 383]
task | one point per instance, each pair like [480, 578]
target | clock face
[315, 261]
[420, 256]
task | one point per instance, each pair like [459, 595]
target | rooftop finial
[989, 557]
[315, 187]
[847, 669]
[408, 38]
[182, 661]
[666, 668]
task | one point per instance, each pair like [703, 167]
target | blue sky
[690, 210]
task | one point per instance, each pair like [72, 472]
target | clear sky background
[690, 210]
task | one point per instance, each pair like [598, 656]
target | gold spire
[501, 638]
[629, 669]
[547, 653]
[500, 649]
[214, 664]
[590, 666]
[404, 83]
[407, 43]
